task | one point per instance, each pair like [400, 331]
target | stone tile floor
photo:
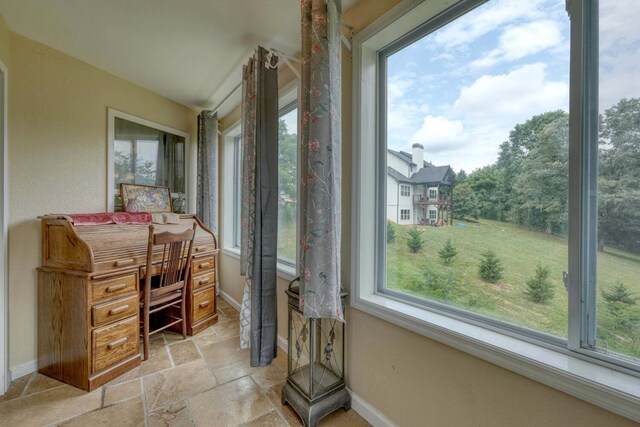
[204, 380]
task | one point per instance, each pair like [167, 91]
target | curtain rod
[215, 110]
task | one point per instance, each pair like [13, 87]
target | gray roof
[433, 175]
[407, 157]
[428, 174]
[396, 175]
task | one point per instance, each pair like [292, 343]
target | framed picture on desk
[145, 198]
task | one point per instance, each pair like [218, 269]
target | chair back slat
[170, 287]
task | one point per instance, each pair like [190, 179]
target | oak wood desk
[88, 296]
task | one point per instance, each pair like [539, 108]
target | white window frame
[405, 190]
[405, 214]
[433, 191]
[231, 176]
[230, 197]
[574, 370]
[111, 116]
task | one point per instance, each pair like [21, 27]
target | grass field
[520, 250]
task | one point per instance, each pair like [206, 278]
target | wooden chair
[166, 291]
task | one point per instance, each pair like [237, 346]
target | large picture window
[288, 184]
[525, 174]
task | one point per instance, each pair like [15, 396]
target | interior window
[148, 156]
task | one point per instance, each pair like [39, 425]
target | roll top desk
[88, 295]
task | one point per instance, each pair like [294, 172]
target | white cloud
[468, 135]
[619, 52]
[487, 18]
[438, 133]
[511, 97]
[403, 115]
[517, 42]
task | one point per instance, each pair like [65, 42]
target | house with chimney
[418, 192]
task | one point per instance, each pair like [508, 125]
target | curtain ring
[269, 59]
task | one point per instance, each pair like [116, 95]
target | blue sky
[461, 89]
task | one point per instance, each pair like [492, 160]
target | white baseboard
[368, 412]
[233, 303]
[19, 371]
[283, 344]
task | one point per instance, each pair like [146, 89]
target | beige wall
[4, 42]
[58, 158]
[412, 380]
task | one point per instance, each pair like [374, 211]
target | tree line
[528, 184]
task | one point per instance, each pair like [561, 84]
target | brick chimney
[418, 156]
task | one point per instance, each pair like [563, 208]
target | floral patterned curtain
[320, 166]
[207, 188]
[259, 222]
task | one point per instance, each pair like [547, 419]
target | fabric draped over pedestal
[259, 207]
[320, 164]
[207, 188]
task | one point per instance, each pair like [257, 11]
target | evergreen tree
[619, 176]
[448, 252]
[287, 163]
[542, 186]
[539, 288]
[490, 267]
[465, 202]
[391, 233]
[415, 242]
[621, 308]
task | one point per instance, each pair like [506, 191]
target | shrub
[415, 242]
[448, 252]
[540, 288]
[391, 233]
[621, 312]
[490, 267]
[620, 294]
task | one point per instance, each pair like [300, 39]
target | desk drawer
[115, 286]
[200, 249]
[203, 264]
[115, 310]
[114, 343]
[204, 279]
[204, 303]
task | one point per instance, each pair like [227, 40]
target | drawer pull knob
[203, 281]
[204, 304]
[118, 310]
[201, 248]
[123, 262]
[117, 343]
[203, 265]
[115, 288]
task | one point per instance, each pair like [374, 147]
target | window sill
[285, 271]
[612, 390]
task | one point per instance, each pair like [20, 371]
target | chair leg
[183, 311]
[145, 334]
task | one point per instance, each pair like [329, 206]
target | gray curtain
[259, 225]
[207, 188]
[320, 157]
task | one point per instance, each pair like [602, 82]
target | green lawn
[423, 274]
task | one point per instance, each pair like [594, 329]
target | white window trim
[573, 373]
[112, 114]
[286, 271]
[227, 233]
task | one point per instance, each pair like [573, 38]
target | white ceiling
[190, 51]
